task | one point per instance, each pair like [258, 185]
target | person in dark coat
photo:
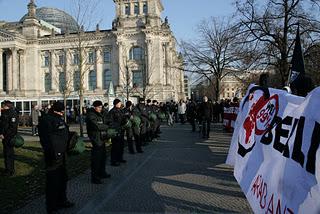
[205, 112]
[8, 129]
[116, 120]
[97, 133]
[192, 114]
[133, 131]
[54, 135]
[142, 111]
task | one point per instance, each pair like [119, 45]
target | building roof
[56, 17]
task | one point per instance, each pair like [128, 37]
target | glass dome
[56, 17]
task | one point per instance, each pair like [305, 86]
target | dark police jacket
[54, 135]
[95, 126]
[116, 118]
[142, 111]
[9, 123]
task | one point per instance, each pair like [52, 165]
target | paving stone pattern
[179, 173]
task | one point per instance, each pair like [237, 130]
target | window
[137, 79]
[228, 94]
[106, 56]
[76, 59]
[136, 53]
[91, 57]
[145, 8]
[76, 80]
[62, 81]
[47, 82]
[107, 78]
[127, 9]
[92, 80]
[46, 61]
[61, 59]
[136, 8]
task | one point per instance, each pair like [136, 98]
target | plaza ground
[178, 173]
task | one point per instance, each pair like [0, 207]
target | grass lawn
[28, 182]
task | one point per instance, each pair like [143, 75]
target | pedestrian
[116, 121]
[35, 114]
[182, 108]
[97, 133]
[205, 112]
[54, 135]
[8, 129]
[192, 114]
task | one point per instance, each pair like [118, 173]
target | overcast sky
[183, 15]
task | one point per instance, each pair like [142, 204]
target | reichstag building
[41, 55]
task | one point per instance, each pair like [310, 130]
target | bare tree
[63, 80]
[270, 26]
[217, 52]
[84, 11]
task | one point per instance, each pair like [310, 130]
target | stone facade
[136, 58]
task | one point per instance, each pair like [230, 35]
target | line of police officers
[54, 137]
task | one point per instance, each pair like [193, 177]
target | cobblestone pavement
[179, 173]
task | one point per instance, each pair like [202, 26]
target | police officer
[116, 120]
[133, 131]
[54, 134]
[97, 132]
[8, 129]
[141, 110]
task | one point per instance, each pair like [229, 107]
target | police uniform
[141, 110]
[95, 128]
[133, 131]
[116, 119]
[9, 128]
[54, 135]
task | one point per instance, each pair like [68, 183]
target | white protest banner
[275, 151]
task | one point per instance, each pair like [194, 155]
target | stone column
[67, 70]
[15, 69]
[99, 67]
[54, 73]
[9, 72]
[1, 71]
[121, 61]
[22, 73]
[148, 61]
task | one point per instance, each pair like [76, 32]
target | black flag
[297, 62]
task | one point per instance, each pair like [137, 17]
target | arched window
[145, 7]
[107, 78]
[47, 82]
[62, 81]
[136, 8]
[136, 53]
[76, 80]
[92, 80]
[127, 9]
[106, 56]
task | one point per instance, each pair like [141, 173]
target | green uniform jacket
[95, 125]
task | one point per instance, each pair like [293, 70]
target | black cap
[148, 101]
[128, 103]
[141, 100]
[97, 103]
[116, 101]
[58, 107]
